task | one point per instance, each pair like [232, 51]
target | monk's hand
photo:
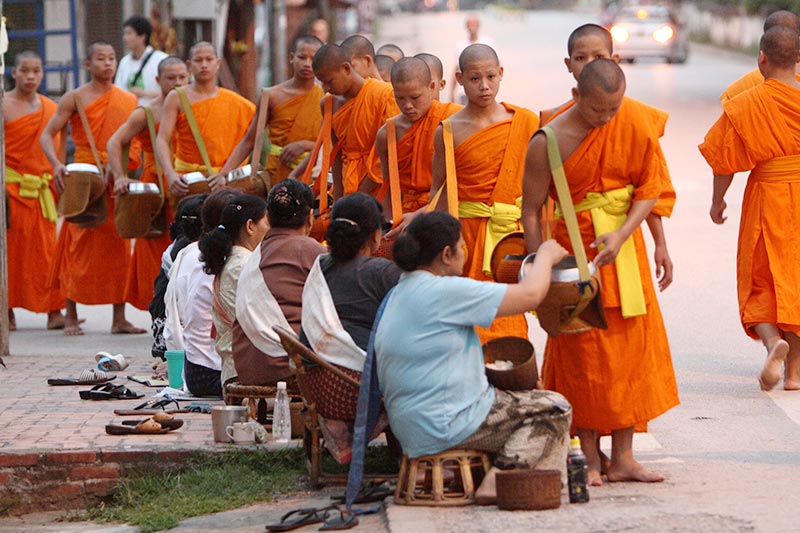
[716, 212]
[663, 267]
[401, 227]
[58, 177]
[121, 185]
[291, 153]
[216, 182]
[177, 185]
[609, 245]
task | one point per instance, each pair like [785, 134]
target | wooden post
[278, 41]
[4, 345]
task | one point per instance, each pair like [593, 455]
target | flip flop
[345, 520]
[110, 363]
[151, 407]
[120, 392]
[299, 518]
[104, 387]
[369, 493]
[159, 424]
[90, 376]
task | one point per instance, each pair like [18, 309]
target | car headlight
[619, 34]
[663, 34]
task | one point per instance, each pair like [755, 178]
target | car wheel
[679, 59]
[629, 60]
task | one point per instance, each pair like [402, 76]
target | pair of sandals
[164, 405]
[158, 424]
[109, 391]
[304, 517]
[90, 376]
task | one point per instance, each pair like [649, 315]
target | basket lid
[239, 173]
[82, 167]
[194, 177]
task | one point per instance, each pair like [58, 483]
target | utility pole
[4, 345]
[278, 41]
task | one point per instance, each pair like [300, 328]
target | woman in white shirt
[224, 251]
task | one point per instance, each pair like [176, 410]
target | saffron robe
[483, 177]
[297, 119]
[355, 125]
[415, 156]
[31, 237]
[222, 120]
[752, 79]
[619, 377]
[93, 262]
[755, 131]
[146, 259]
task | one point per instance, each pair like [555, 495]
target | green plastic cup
[175, 368]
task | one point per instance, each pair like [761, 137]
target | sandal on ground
[90, 376]
[199, 407]
[120, 392]
[160, 423]
[104, 387]
[299, 518]
[110, 363]
[345, 520]
[370, 492]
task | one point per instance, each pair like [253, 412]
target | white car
[649, 31]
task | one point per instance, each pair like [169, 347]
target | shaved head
[169, 61]
[384, 65]
[329, 56]
[477, 52]
[306, 39]
[434, 64]
[411, 69]
[780, 46]
[202, 44]
[358, 46]
[783, 18]
[601, 74]
[94, 46]
[587, 30]
[391, 50]
[27, 54]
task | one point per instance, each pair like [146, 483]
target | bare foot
[594, 478]
[630, 470]
[12, 321]
[771, 374]
[72, 330]
[487, 491]
[56, 320]
[125, 327]
[604, 460]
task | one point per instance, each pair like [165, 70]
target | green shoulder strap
[565, 200]
[198, 140]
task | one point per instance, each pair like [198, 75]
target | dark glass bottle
[576, 473]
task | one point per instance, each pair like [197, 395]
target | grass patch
[210, 484]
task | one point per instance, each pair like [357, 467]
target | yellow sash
[31, 186]
[502, 220]
[275, 150]
[779, 169]
[609, 211]
[184, 167]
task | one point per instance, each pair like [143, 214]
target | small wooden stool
[432, 492]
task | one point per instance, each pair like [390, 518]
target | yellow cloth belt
[503, 219]
[780, 169]
[275, 150]
[609, 211]
[184, 167]
[31, 186]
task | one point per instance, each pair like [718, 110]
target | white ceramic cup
[241, 433]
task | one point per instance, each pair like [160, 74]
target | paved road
[729, 450]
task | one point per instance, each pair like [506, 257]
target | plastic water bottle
[281, 417]
[577, 472]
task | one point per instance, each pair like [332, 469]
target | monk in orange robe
[361, 53]
[93, 262]
[621, 377]
[415, 127]
[222, 119]
[360, 107]
[293, 116]
[437, 72]
[30, 193]
[787, 19]
[490, 140]
[147, 252]
[760, 131]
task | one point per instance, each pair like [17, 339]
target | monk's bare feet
[125, 327]
[55, 320]
[487, 491]
[630, 470]
[12, 321]
[771, 373]
[791, 379]
[594, 478]
[72, 328]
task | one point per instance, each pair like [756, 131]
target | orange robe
[146, 259]
[622, 376]
[752, 79]
[31, 237]
[756, 130]
[415, 156]
[222, 120]
[93, 262]
[355, 126]
[296, 119]
[489, 168]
